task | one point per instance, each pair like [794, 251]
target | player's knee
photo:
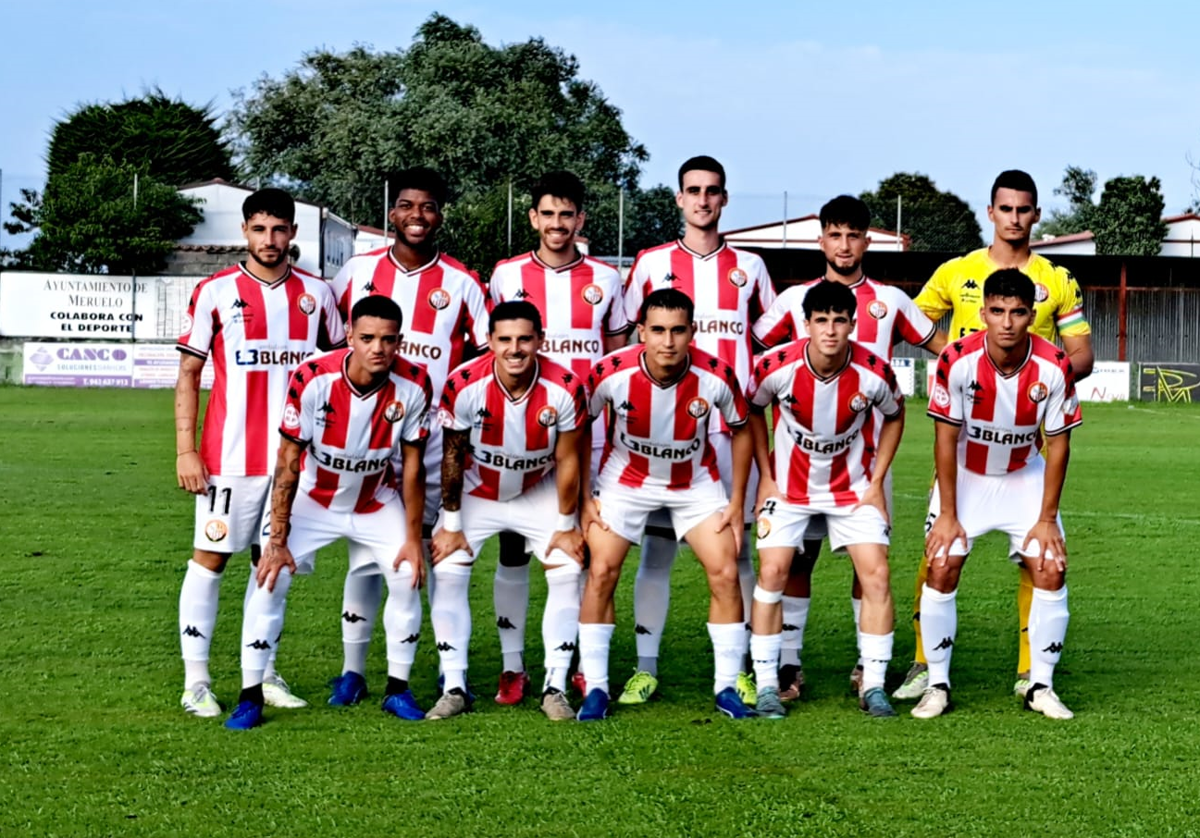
[603, 576]
[1049, 579]
[723, 579]
[943, 579]
[772, 575]
[211, 561]
[875, 581]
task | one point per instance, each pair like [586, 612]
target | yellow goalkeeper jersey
[957, 286]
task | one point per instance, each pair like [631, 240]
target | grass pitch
[93, 546]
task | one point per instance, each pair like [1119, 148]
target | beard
[279, 259]
[844, 270]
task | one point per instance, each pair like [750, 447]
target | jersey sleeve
[935, 299]
[778, 324]
[573, 407]
[298, 411]
[475, 312]
[494, 295]
[1062, 407]
[1068, 315]
[912, 324]
[416, 417]
[635, 291]
[732, 401]
[759, 391]
[198, 331]
[340, 286]
[616, 321]
[331, 332]
[889, 399]
[763, 296]
[945, 399]
[597, 390]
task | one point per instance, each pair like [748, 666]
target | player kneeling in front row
[994, 393]
[658, 456]
[520, 417]
[347, 412]
[825, 391]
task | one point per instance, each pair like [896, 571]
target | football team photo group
[416, 409]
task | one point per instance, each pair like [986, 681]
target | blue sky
[815, 99]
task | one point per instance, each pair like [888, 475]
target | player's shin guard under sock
[262, 624]
[939, 618]
[560, 623]
[764, 651]
[450, 614]
[876, 651]
[361, 595]
[856, 607]
[197, 617]
[594, 642]
[729, 650]
[401, 622]
[652, 593]
[795, 619]
[251, 584]
[1048, 618]
[510, 596]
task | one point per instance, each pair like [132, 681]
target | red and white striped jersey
[884, 316]
[824, 440]
[512, 440]
[256, 332]
[731, 290]
[443, 304]
[658, 435]
[1002, 415]
[350, 436]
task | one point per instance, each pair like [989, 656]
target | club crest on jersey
[185, 324]
[439, 298]
[1040, 293]
[941, 396]
[215, 530]
[307, 303]
[592, 294]
[1038, 392]
[859, 403]
[291, 417]
[445, 418]
[394, 412]
[697, 408]
[738, 278]
[877, 309]
[547, 416]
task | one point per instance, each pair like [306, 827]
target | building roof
[243, 187]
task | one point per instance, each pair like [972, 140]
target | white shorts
[229, 516]
[627, 510]
[817, 529]
[375, 537]
[660, 521]
[783, 524]
[532, 514]
[1010, 503]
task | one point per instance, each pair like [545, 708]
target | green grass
[93, 543]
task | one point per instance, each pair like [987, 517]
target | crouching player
[513, 422]
[994, 393]
[347, 413]
[825, 391]
[660, 394]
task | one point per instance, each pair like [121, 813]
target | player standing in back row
[257, 320]
[730, 289]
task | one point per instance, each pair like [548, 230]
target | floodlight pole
[133, 288]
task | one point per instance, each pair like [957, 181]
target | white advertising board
[157, 365]
[1109, 382]
[147, 365]
[906, 375]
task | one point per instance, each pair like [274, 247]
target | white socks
[876, 650]
[361, 596]
[764, 651]
[652, 593]
[560, 623]
[197, 618]
[450, 614]
[262, 624]
[795, 618]
[510, 596]
[594, 642]
[401, 621]
[729, 650]
[939, 625]
[1048, 618]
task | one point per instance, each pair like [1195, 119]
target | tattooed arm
[276, 555]
[449, 538]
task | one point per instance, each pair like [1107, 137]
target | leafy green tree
[932, 219]
[1128, 219]
[87, 222]
[335, 126]
[1078, 187]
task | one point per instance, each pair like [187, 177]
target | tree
[1128, 220]
[1078, 186]
[335, 126]
[87, 221]
[932, 219]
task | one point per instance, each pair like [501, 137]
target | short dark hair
[829, 297]
[671, 299]
[515, 310]
[1009, 282]
[702, 163]
[377, 305]
[273, 202]
[848, 210]
[564, 185]
[418, 177]
[1014, 179]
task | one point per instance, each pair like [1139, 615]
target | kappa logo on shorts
[216, 530]
[697, 408]
[439, 298]
[859, 402]
[1040, 293]
[877, 309]
[394, 412]
[307, 303]
[592, 294]
[738, 278]
[547, 416]
[291, 417]
[941, 396]
[1038, 392]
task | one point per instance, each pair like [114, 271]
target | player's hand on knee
[1050, 545]
[874, 497]
[731, 517]
[446, 543]
[589, 514]
[942, 535]
[274, 559]
[570, 542]
[191, 474]
[412, 553]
